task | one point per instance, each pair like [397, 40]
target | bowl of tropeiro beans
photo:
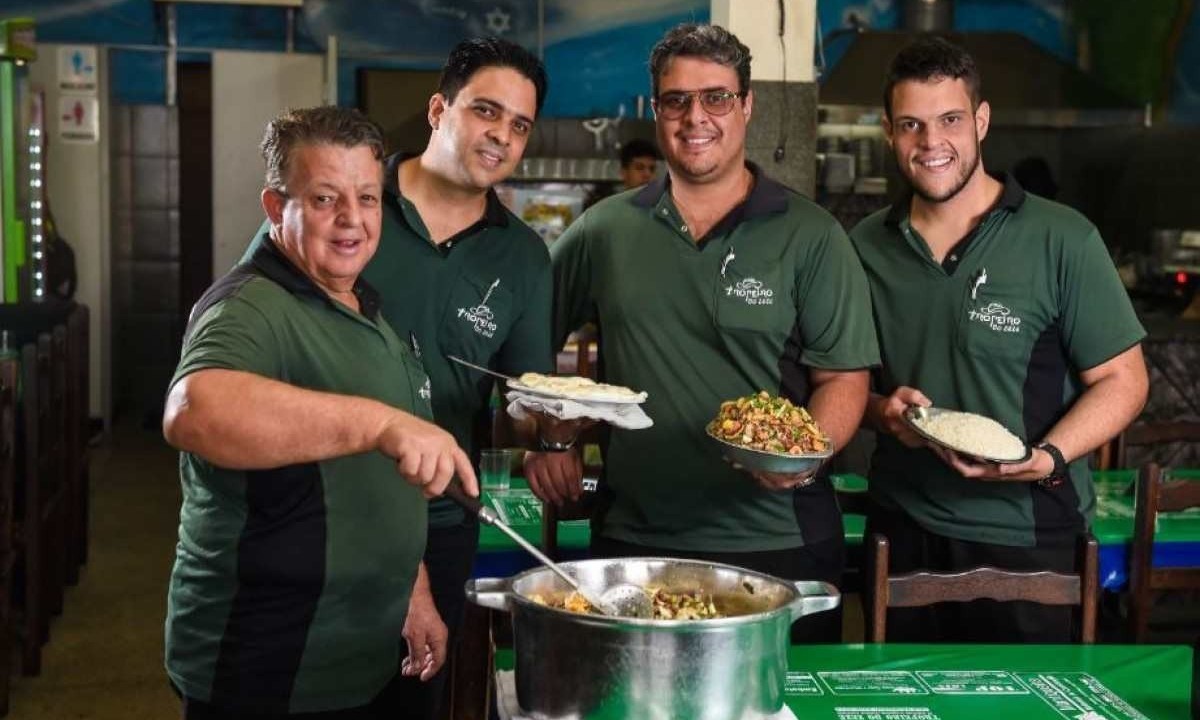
[769, 433]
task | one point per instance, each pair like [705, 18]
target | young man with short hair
[993, 301]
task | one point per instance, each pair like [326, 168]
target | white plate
[910, 418]
[619, 399]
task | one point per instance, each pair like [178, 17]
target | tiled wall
[145, 257]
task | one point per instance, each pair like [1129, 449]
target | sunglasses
[674, 105]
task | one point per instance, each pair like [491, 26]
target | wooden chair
[8, 459]
[27, 533]
[926, 588]
[38, 512]
[78, 414]
[1156, 492]
[1153, 433]
[54, 486]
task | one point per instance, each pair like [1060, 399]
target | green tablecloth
[1114, 512]
[1113, 525]
[523, 512]
[968, 682]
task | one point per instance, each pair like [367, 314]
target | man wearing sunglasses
[712, 283]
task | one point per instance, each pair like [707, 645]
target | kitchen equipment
[914, 414]
[570, 665]
[765, 461]
[618, 600]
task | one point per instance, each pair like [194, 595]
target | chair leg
[31, 641]
[84, 505]
[5, 636]
[471, 677]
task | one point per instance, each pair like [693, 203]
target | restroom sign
[77, 68]
[78, 118]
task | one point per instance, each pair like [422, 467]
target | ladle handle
[487, 516]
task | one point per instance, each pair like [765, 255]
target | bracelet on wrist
[550, 446]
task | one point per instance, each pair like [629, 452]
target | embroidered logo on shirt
[997, 317]
[481, 317]
[426, 391]
[751, 291]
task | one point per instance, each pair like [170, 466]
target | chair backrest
[78, 410]
[1156, 492]
[926, 588]
[60, 402]
[1153, 433]
[37, 416]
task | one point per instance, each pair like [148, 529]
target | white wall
[756, 23]
[77, 177]
[248, 90]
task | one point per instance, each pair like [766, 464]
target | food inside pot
[668, 605]
[770, 424]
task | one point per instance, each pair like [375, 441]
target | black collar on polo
[271, 263]
[494, 213]
[766, 197]
[1011, 198]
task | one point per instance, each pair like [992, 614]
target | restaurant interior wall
[77, 177]
[596, 53]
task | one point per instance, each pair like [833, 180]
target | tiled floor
[104, 658]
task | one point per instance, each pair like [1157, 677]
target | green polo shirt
[773, 290]
[291, 584]
[1021, 306]
[483, 295]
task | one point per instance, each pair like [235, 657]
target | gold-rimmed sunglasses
[674, 105]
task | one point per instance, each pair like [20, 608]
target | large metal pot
[587, 666]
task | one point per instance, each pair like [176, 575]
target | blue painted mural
[1185, 85]
[596, 50]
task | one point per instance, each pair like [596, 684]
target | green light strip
[14, 231]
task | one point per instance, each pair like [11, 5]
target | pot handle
[815, 597]
[490, 593]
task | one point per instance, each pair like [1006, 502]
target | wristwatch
[549, 446]
[1058, 475]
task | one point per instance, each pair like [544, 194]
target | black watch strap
[1059, 474]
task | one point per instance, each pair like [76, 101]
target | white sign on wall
[77, 68]
[78, 118]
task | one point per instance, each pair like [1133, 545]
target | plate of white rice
[976, 436]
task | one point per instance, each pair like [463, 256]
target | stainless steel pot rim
[712, 623]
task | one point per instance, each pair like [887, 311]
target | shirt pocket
[477, 318]
[998, 322]
[752, 298]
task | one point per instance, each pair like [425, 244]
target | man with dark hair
[460, 275]
[996, 302]
[295, 404]
[712, 283]
[639, 163]
[474, 54]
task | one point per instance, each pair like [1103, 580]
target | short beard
[963, 179]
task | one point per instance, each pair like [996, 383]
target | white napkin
[629, 416]
[506, 700]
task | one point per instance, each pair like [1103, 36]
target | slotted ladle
[622, 600]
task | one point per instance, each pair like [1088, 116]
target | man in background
[639, 163]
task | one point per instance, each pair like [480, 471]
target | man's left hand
[1038, 466]
[426, 636]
